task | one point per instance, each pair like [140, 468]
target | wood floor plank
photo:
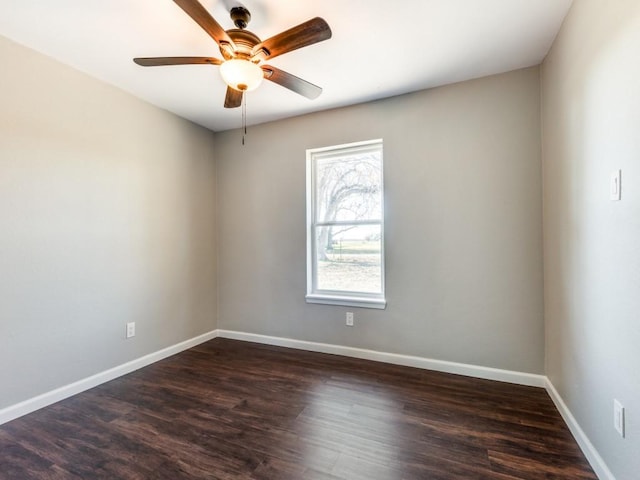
[235, 410]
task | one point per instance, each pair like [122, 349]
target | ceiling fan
[244, 53]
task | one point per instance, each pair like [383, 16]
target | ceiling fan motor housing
[244, 41]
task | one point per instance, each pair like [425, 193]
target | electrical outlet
[349, 319]
[131, 329]
[618, 417]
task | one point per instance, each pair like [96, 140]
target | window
[345, 225]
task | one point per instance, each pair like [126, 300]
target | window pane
[345, 254]
[349, 187]
[348, 258]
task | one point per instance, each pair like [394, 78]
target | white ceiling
[379, 48]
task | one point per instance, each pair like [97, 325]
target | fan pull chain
[244, 116]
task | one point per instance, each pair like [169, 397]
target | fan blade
[307, 33]
[160, 61]
[201, 16]
[291, 82]
[233, 98]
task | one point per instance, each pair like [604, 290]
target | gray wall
[463, 232]
[591, 126]
[107, 215]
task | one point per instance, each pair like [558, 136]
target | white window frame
[339, 297]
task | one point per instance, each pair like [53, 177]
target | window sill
[362, 302]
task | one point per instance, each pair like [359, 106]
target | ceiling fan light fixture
[241, 75]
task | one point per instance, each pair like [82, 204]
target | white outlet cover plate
[131, 329]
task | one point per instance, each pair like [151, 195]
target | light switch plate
[618, 417]
[615, 186]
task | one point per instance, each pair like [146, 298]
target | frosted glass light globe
[241, 75]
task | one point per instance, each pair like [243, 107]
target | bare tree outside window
[347, 219]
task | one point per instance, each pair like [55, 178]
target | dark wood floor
[236, 410]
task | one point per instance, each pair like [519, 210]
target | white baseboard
[528, 379]
[595, 460]
[31, 405]
[487, 373]
[597, 463]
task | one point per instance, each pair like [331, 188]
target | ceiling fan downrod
[240, 16]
